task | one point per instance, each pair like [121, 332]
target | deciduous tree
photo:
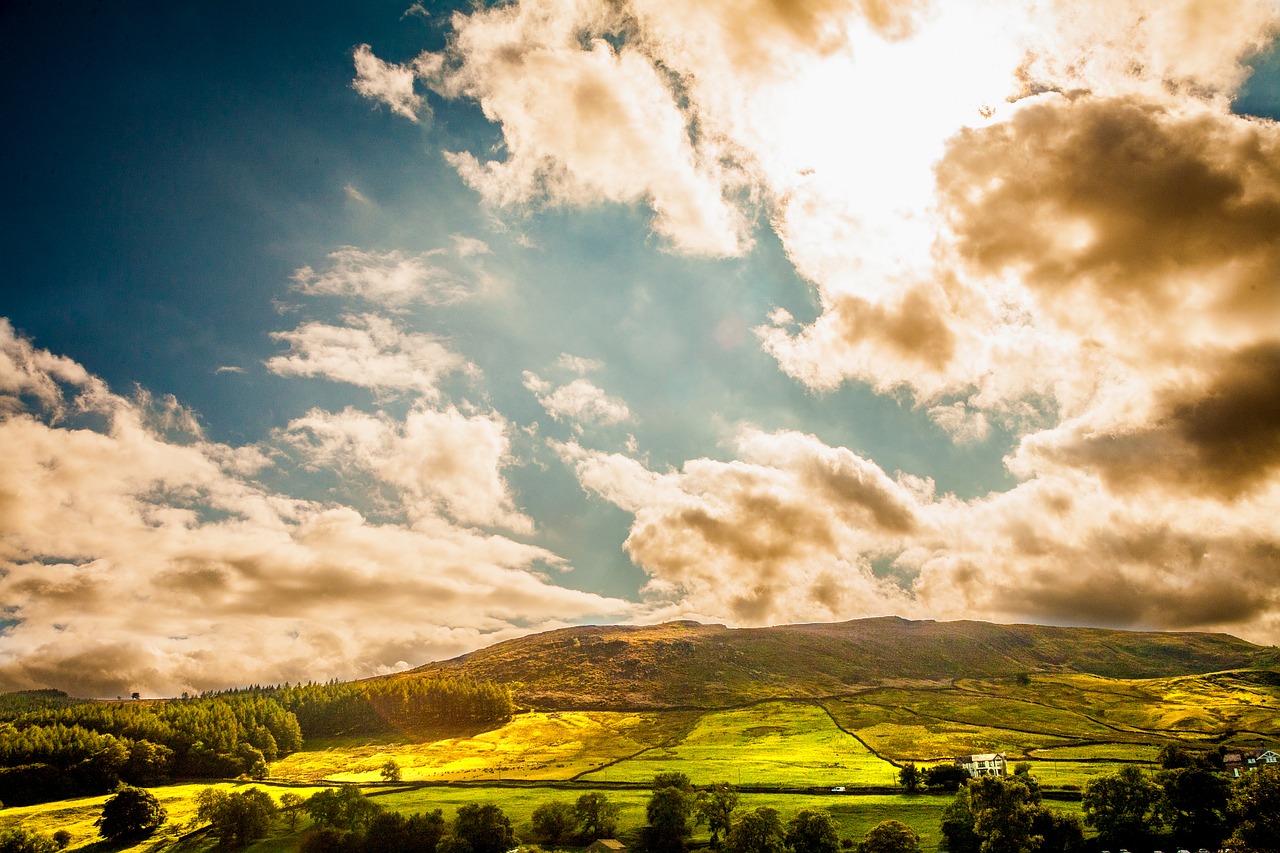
[890, 836]
[554, 823]
[715, 805]
[131, 813]
[597, 816]
[1255, 807]
[758, 831]
[1126, 809]
[812, 831]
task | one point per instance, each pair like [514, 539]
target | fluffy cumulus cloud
[1036, 220]
[432, 461]
[786, 533]
[137, 555]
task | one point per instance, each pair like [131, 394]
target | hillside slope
[691, 665]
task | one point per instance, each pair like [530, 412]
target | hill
[692, 665]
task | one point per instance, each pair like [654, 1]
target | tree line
[54, 747]
[433, 704]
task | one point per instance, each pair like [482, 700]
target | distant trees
[238, 817]
[911, 777]
[131, 813]
[424, 704]
[52, 749]
[390, 771]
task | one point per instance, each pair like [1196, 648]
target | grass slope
[687, 664]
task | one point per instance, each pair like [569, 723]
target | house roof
[607, 844]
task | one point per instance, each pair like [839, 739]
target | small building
[984, 764]
[1244, 760]
[605, 845]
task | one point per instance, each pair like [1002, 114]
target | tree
[554, 823]
[758, 831]
[1004, 810]
[131, 813]
[945, 777]
[291, 808]
[62, 839]
[1125, 809]
[326, 839]
[669, 813]
[341, 808]
[239, 817]
[1173, 757]
[890, 836]
[416, 833]
[1196, 802]
[812, 831]
[910, 777]
[715, 805]
[597, 816]
[1058, 832]
[1255, 808]
[483, 829]
[390, 771]
[19, 840]
[958, 820]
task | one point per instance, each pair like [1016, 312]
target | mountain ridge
[692, 664]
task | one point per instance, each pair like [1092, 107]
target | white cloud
[389, 279]
[579, 402]
[387, 83]
[132, 562]
[583, 126]
[370, 352]
[435, 460]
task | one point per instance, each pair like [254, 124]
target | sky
[343, 337]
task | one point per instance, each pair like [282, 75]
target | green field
[783, 744]
[854, 815]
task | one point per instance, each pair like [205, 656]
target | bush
[21, 840]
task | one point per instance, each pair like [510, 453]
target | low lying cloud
[794, 530]
[132, 559]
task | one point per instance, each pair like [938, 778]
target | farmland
[786, 728]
